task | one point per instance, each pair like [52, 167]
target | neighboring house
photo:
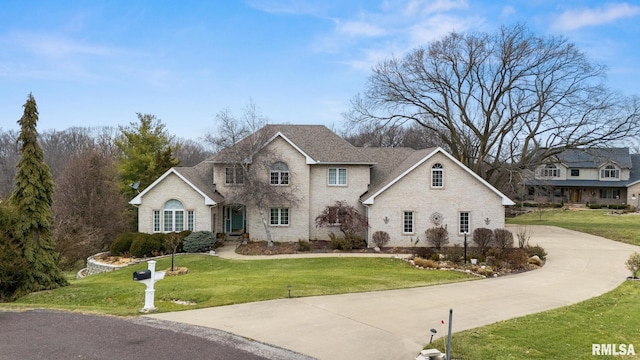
[579, 176]
[402, 191]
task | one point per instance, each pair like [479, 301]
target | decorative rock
[376, 249]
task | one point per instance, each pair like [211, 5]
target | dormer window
[610, 172]
[233, 176]
[550, 170]
[279, 174]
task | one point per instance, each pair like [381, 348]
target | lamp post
[465, 248]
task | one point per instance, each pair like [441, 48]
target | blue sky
[94, 63]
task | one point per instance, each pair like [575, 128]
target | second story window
[233, 176]
[337, 176]
[610, 172]
[279, 174]
[437, 176]
[550, 170]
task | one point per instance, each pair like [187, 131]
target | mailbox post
[149, 278]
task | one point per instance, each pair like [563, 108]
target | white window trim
[413, 222]
[337, 170]
[280, 224]
[460, 231]
[439, 170]
[614, 170]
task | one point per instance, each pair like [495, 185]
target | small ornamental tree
[633, 264]
[346, 217]
[437, 236]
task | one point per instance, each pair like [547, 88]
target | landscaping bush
[503, 238]
[536, 250]
[380, 238]
[426, 263]
[437, 236]
[424, 252]
[349, 242]
[145, 245]
[454, 253]
[304, 245]
[483, 238]
[122, 243]
[515, 259]
[199, 241]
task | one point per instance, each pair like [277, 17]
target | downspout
[366, 207]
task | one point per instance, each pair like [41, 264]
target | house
[402, 191]
[606, 176]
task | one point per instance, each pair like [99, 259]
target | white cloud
[425, 7]
[575, 19]
[507, 11]
[58, 47]
[358, 28]
[290, 7]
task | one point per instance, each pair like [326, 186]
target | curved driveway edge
[395, 324]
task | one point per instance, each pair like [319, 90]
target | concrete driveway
[395, 324]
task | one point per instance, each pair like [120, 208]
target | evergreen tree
[32, 199]
[13, 267]
[145, 153]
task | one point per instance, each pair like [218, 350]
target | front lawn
[606, 223]
[564, 333]
[213, 281]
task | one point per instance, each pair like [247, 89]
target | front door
[234, 219]
[574, 195]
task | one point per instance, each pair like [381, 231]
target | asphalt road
[52, 335]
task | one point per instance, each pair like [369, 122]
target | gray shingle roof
[201, 178]
[595, 157]
[316, 141]
[634, 175]
[391, 163]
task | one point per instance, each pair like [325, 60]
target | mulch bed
[315, 246]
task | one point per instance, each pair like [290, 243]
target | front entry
[575, 195]
[234, 219]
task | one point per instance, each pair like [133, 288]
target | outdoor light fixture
[289, 288]
[433, 332]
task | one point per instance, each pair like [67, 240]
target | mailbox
[141, 275]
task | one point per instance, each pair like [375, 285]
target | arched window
[173, 216]
[279, 173]
[610, 172]
[550, 170]
[437, 176]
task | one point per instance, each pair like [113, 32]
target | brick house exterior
[402, 191]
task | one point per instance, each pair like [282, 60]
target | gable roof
[595, 157]
[414, 160]
[634, 175]
[192, 176]
[317, 143]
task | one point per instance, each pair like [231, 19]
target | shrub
[483, 239]
[146, 245]
[633, 264]
[122, 243]
[349, 242]
[486, 271]
[454, 253]
[199, 241]
[380, 238]
[424, 252]
[503, 238]
[437, 236]
[426, 263]
[536, 250]
[304, 245]
[523, 233]
[516, 259]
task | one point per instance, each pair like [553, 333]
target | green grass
[624, 228]
[214, 281]
[565, 333]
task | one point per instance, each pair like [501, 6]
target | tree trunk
[266, 226]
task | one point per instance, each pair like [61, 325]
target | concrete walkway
[395, 324]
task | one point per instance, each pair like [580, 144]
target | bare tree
[189, 152]
[410, 135]
[88, 208]
[499, 101]
[9, 156]
[250, 157]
